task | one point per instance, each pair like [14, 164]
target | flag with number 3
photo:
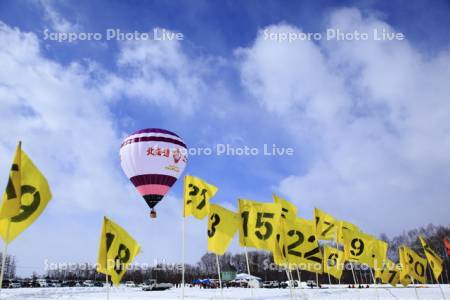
[222, 226]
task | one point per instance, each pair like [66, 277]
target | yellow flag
[344, 225]
[358, 247]
[300, 247]
[279, 251]
[379, 256]
[390, 274]
[288, 210]
[116, 252]
[10, 205]
[405, 281]
[333, 261]
[433, 259]
[325, 225]
[197, 194]
[412, 264]
[258, 224]
[222, 226]
[34, 196]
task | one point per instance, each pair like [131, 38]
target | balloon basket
[153, 214]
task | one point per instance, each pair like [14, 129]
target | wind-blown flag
[259, 224]
[116, 252]
[288, 209]
[412, 264]
[326, 225]
[434, 260]
[10, 205]
[358, 247]
[197, 194]
[333, 261]
[390, 273]
[222, 226]
[32, 197]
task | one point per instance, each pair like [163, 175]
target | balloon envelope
[153, 159]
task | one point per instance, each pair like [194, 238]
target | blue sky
[366, 119]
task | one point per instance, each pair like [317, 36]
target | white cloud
[159, 72]
[377, 113]
[57, 22]
[63, 118]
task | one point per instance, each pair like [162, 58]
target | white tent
[245, 276]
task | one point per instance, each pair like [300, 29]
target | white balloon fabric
[153, 159]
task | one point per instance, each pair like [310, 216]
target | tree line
[261, 264]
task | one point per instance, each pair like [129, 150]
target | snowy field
[328, 292]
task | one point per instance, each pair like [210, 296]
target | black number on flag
[123, 256]
[260, 223]
[194, 192]
[310, 254]
[109, 239]
[298, 242]
[329, 227]
[10, 190]
[357, 247]
[215, 218]
[419, 269]
[244, 216]
[28, 210]
[392, 276]
[332, 260]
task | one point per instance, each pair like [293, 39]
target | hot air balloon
[153, 159]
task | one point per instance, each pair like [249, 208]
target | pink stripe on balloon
[153, 189]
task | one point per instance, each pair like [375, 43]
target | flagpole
[107, 287]
[431, 275]
[183, 230]
[220, 277]
[440, 287]
[290, 287]
[293, 284]
[248, 269]
[375, 283]
[299, 278]
[290, 278]
[5, 250]
[415, 287]
[353, 272]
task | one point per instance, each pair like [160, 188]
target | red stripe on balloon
[155, 189]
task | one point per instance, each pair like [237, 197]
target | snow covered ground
[329, 292]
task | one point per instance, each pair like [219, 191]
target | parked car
[68, 283]
[271, 284]
[99, 284]
[42, 282]
[130, 284]
[14, 284]
[55, 283]
[5, 283]
[88, 283]
[311, 283]
[30, 283]
[152, 285]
